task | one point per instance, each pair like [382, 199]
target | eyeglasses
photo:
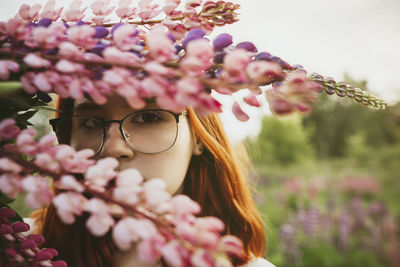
[148, 131]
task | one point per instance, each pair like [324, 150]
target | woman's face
[170, 165]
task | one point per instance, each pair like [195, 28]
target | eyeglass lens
[150, 131]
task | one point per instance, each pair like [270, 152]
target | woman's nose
[115, 145]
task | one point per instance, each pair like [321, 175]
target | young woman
[190, 152]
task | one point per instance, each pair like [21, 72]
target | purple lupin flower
[223, 40]
[288, 244]
[101, 32]
[249, 46]
[311, 221]
[358, 212]
[45, 22]
[193, 35]
[264, 56]
[344, 230]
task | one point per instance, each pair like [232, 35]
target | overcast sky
[360, 37]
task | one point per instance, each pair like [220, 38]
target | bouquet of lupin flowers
[46, 50]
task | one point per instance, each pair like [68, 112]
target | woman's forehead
[112, 103]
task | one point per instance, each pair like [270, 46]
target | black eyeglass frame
[103, 124]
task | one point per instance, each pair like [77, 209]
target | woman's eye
[88, 123]
[145, 118]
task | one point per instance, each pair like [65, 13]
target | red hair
[214, 179]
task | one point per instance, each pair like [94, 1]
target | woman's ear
[198, 147]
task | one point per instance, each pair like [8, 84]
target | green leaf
[26, 115]
[45, 108]
[14, 219]
[5, 199]
[9, 87]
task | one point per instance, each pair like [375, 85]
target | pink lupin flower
[36, 61]
[67, 66]
[177, 29]
[95, 89]
[8, 129]
[48, 37]
[124, 11]
[71, 161]
[16, 27]
[201, 49]
[29, 13]
[100, 220]
[170, 6]
[10, 184]
[128, 186]
[27, 82]
[116, 56]
[252, 100]
[264, 72]
[198, 57]
[125, 232]
[160, 45]
[231, 246]
[116, 76]
[129, 91]
[74, 11]
[7, 165]
[201, 258]
[147, 10]
[69, 50]
[156, 68]
[98, 175]
[38, 189]
[210, 223]
[75, 88]
[98, 95]
[279, 104]
[5, 67]
[82, 35]
[26, 142]
[149, 250]
[42, 83]
[222, 261]
[125, 37]
[101, 8]
[3, 31]
[46, 142]
[235, 63]
[46, 161]
[188, 90]
[175, 254]
[207, 104]
[183, 208]
[69, 182]
[238, 112]
[60, 84]
[50, 11]
[193, 3]
[154, 86]
[155, 196]
[68, 205]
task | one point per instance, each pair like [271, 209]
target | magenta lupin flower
[22, 248]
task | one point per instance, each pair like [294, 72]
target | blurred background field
[328, 185]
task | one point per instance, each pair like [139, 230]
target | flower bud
[249, 46]
[222, 41]
[38, 239]
[20, 227]
[7, 213]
